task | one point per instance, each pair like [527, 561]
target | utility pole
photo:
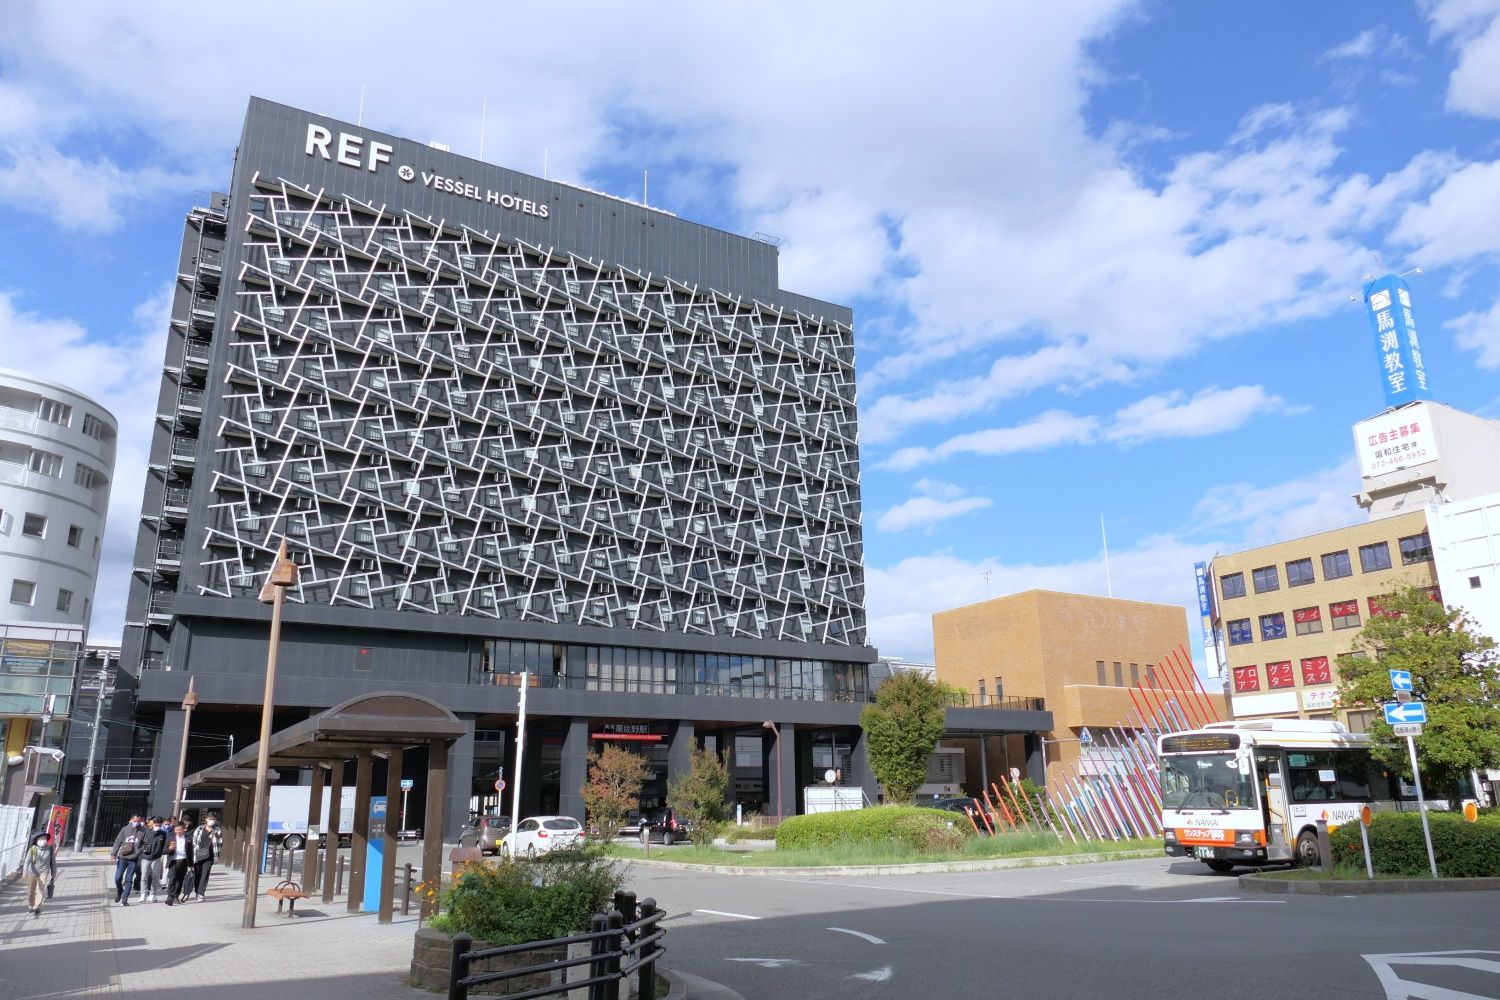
[189, 702]
[88, 769]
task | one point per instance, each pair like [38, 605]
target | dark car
[489, 831]
[664, 827]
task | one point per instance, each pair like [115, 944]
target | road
[1134, 929]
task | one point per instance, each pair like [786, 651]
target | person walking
[41, 869]
[152, 851]
[208, 842]
[179, 858]
[126, 854]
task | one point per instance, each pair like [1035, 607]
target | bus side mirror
[1242, 761]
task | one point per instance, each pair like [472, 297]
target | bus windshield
[1205, 781]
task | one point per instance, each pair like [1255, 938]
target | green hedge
[1463, 849]
[910, 826]
[509, 902]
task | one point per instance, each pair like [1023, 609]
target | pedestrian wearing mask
[41, 869]
[208, 842]
[179, 857]
[152, 851]
[126, 854]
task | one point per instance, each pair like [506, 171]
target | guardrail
[623, 942]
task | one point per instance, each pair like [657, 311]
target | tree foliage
[1453, 670]
[613, 788]
[901, 728]
[701, 795]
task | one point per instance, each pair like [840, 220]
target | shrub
[1463, 849]
[925, 830]
[699, 795]
[512, 901]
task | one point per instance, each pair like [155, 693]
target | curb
[919, 868]
[1253, 882]
[676, 986]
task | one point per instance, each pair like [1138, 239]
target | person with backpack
[179, 858]
[41, 869]
[152, 850]
[208, 842]
[126, 854]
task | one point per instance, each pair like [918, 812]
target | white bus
[1251, 793]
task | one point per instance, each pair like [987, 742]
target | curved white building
[57, 461]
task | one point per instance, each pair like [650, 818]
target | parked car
[489, 831]
[540, 834]
[665, 827]
[632, 825]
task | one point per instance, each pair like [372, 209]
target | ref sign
[1397, 712]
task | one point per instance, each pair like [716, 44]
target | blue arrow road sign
[1084, 736]
[1400, 680]
[1397, 712]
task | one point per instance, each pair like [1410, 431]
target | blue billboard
[1403, 375]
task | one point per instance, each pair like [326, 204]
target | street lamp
[189, 702]
[283, 575]
[780, 771]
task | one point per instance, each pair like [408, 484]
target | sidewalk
[82, 945]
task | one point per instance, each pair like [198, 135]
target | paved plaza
[82, 945]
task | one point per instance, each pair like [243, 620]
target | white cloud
[1317, 502]
[1472, 27]
[1460, 220]
[1377, 40]
[119, 372]
[1209, 411]
[1479, 331]
[924, 512]
[1052, 428]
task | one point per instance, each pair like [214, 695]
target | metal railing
[175, 496]
[162, 604]
[643, 685]
[623, 942]
[1015, 703]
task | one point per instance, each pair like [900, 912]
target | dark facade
[505, 424]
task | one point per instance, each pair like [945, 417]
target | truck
[286, 815]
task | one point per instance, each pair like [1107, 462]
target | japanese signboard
[1206, 617]
[1403, 375]
[1396, 440]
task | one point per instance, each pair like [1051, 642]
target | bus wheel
[292, 842]
[1308, 855]
[1220, 866]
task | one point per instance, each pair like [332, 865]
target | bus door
[1273, 802]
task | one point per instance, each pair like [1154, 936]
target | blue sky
[1100, 252]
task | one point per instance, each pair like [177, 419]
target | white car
[540, 834]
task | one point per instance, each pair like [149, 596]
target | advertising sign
[374, 854]
[1397, 440]
[57, 823]
[1319, 699]
[1403, 375]
[1206, 618]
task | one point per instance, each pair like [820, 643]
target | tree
[613, 788]
[1453, 670]
[700, 795]
[901, 728]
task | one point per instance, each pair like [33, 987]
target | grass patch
[734, 834]
[889, 853]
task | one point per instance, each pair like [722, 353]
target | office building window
[1273, 626]
[1239, 632]
[1315, 670]
[1246, 679]
[1279, 675]
[999, 688]
[1099, 672]
[1135, 674]
[1344, 614]
[1232, 585]
[1266, 579]
[1336, 565]
[1299, 573]
[983, 698]
[1119, 675]
[64, 600]
[1308, 621]
[1373, 558]
[22, 592]
[1415, 549]
[34, 526]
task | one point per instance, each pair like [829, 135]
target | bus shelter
[381, 725]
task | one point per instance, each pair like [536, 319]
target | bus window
[1328, 775]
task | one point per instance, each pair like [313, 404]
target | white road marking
[725, 913]
[859, 934]
[1397, 988]
[874, 975]
[767, 963]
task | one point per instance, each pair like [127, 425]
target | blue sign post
[1403, 374]
[374, 854]
[1400, 680]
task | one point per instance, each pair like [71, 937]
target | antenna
[986, 575]
[484, 110]
[545, 154]
[1108, 582]
[645, 187]
[361, 119]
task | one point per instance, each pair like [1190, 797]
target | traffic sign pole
[1416, 777]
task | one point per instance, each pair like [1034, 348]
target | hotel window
[1308, 621]
[1265, 579]
[22, 591]
[1232, 585]
[1239, 632]
[1315, 670]
[1299, 573]
[1246, 679]
[54, 412]
[34, 526]
[1279, 675]
[1273, 626]
[1415, 549]
[1336, 565]
[93, 426]
[1344, 614]
[64, 600]
[45, 463]
[1373, 558]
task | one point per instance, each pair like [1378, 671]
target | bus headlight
[1169, 834]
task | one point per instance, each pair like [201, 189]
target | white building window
[64, 600]
[54, 412]
[22, 592]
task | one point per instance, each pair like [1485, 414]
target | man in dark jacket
[151, 858]
[178, 857]
[126, 854]
[208, 841]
